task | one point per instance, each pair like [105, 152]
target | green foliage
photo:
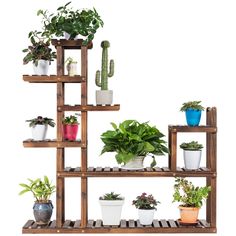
[192, 146]
[111, 196]
[145, 201]
[195, 105]
[41, 121]
[70, 60]
[131, 139]
[39, 50]
[101, 79]
[188, 194]
[74, 22]
[71, 120]
[41, 189]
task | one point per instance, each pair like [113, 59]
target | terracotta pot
[70, 132]
[188, 214]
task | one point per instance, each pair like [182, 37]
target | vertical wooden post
[84, 180]
[211, 143]
[172, 141]
[60, 205]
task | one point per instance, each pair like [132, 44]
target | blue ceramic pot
[193, 117]
[42, 212]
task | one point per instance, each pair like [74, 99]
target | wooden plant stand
[85, 225]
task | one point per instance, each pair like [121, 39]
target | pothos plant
[83, 22]
[131, 139]
[39, 49]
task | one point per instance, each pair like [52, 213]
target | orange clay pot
[188, 214]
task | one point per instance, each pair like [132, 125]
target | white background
[166, 53]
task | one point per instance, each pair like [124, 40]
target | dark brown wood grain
[115, 107]
[185, 128]
[51, 144]
[172, 136]
[53, 79]
[70, 44]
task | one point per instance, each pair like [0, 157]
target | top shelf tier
[70, 44]
[185, 128]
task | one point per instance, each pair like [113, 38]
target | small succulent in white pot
[111, 206]
[71, 66]
[39, 126]
[192, 154]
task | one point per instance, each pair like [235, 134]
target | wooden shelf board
[53, 79]
[185, 128]
[146, 172]
[126, 226]
[30, 143]
[89, 107]
[70, 44]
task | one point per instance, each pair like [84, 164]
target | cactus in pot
[104, 96]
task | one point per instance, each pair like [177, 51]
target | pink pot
[70, 132]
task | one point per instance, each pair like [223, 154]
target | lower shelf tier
[126, 226]
[145, 172]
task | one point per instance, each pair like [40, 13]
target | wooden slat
[185, 128]
[77, 224]
[179, 169]
[53, 79]
[67, 224]
[123, 224]
[107, 169]
[90, 223]
[149, 169]
[77, 169]
[115, 107]
[91, 169]
[204, 223]
[205, 169]
[165, 169]
[157, 169]
[51, 144]
[28, 224]
[172, 223]
[156, 224]
[131, 224]
[52, 225]
[35, 225]
[98, 169]
[164, 223]
[98, 224]
[70, 44]
[68, 169]
[139, 225]
[116, 169]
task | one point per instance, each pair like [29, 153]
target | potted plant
[192, 154]
[104, 96]
[71, 66]
[132, 141]
[70, 127]
[42, 191]
[146, 205]
[191, 197]
[39, 53]
[71, 23]
[111, 206]
[39, 127]
[193, 111]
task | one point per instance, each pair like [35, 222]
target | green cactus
[103, 82]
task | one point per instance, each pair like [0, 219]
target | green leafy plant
[69, 61]
[145, 201]
[83, 22]
[191, 146]
[71, 120]
[131, 139]
[39, 50]
[101, 79]
[41, 189]
[188, 194]
[41, 121]
[111, 196]
[194, 105]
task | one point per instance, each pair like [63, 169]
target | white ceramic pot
[192, 159]
[39, 132]
[111, 211]
[67, 36]
[134, 164]
[104, 97]
[146, 216]
[72, 69]
[41, 68]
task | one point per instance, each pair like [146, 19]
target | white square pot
[146, 216]
[192, 159]
[111, 211]
[41, 68]
[39, 132]
[104, 97]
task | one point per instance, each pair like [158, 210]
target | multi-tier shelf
[85, 225]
